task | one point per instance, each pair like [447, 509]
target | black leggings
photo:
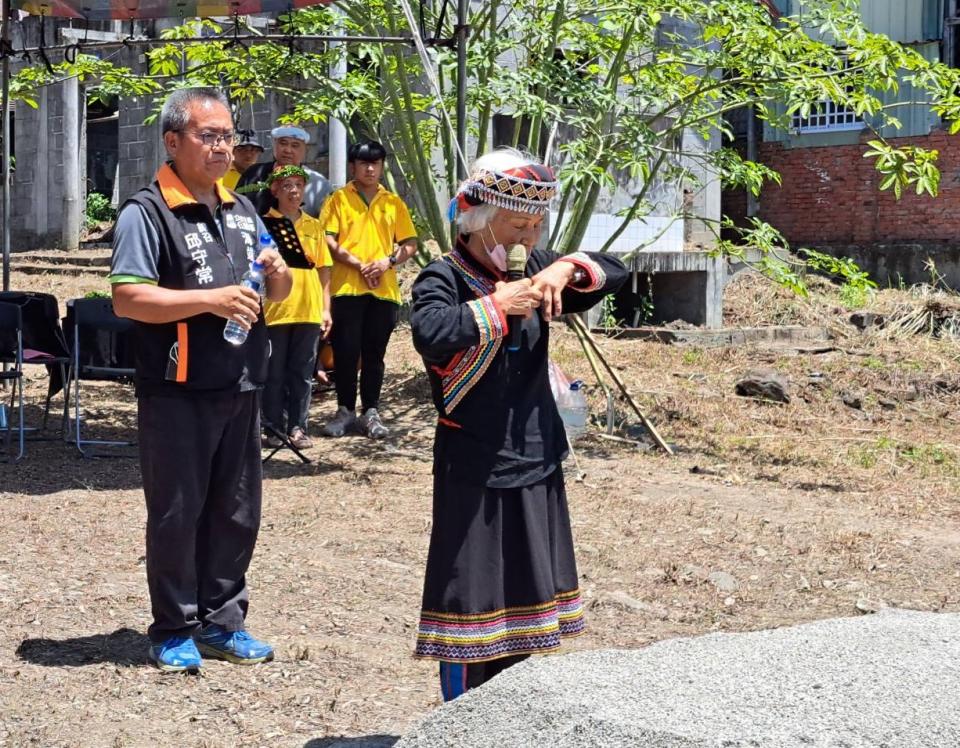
[361, 330]
[456, 678]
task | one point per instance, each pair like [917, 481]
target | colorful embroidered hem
[596, 277]
[478, 637]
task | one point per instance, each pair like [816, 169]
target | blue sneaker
[178, 654]
[237, 647]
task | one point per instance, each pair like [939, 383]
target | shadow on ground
[363, 741]
[122, 647]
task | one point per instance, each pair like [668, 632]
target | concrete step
[85, 257]
[33, 267]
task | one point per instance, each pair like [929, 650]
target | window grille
[827, 116]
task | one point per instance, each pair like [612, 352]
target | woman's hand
[517, 298]
[550, 282]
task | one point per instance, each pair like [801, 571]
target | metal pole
[462, 32]
[71, 164]
[752, 206]
[5, 157]
[336, 129]
[276, 38]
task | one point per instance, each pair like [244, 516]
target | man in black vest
[180, 250]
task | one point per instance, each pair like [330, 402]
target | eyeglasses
[213, 139]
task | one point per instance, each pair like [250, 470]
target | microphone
[516, 267]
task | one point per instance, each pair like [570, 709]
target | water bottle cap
[576, 385]
[265, 238]
[257, 266]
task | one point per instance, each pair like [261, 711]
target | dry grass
[812, 506]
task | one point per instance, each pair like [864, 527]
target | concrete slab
[730, 336]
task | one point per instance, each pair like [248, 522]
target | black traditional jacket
[498, 422]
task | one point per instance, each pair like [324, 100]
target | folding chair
[43, 343]
[11, 351]
[98, 337]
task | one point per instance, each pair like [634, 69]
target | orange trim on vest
[183, 350]
[176, 194]
[448, 423]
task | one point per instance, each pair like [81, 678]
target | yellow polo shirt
[368, 232]
[231, 178]
[305, 302]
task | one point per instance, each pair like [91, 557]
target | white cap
[290, 131]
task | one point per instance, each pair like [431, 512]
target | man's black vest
[192, 355]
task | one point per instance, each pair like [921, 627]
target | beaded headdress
[525, 189]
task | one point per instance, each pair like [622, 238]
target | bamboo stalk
[578, 324]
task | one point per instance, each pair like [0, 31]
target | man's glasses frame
[213, 139]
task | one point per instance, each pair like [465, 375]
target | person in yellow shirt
[245, 154]
[370, 233]
[295, 325]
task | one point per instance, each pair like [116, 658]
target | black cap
[368, 150]
[247, 137]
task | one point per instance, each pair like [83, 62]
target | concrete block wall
[36, 186]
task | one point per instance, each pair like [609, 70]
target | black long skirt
[501, 575]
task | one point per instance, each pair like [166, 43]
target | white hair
[501, 159]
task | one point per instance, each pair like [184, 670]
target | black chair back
[104, 341]
[11, 324]
[40, 321]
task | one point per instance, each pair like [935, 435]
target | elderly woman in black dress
[501, 580]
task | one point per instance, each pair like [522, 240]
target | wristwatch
[392, 259]
[578, 277]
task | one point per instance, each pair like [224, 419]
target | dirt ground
[843, 500]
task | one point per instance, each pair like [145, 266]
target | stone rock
[865, 320]
[623, 601]
[867, 606]
[765, 384]
[852, 400]
[691, 573]
[723, 581]
[818, 380]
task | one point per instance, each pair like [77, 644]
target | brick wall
[830, 195]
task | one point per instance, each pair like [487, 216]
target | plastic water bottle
[574, 410]
[256, 280]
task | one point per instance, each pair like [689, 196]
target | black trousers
[200, 459]
[293, 356]
[361, 330]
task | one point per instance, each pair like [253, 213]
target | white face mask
[498, 255]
